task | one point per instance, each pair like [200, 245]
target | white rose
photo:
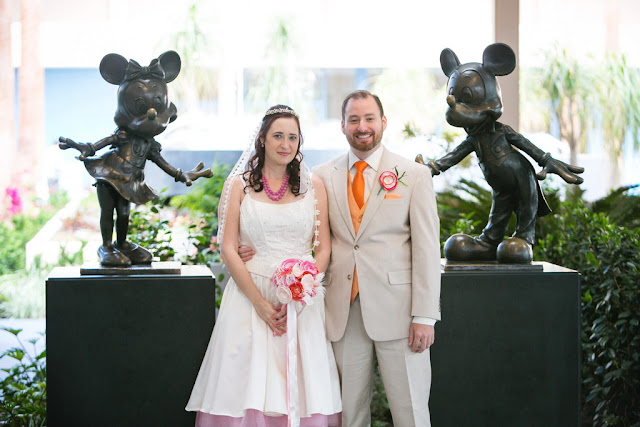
[284, 294]
[308, 282]
[297, 270]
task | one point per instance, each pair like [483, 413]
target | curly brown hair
[253, 176]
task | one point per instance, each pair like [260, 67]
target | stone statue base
[494, 266]
[161, 267]
[126, 350]
[507, 351]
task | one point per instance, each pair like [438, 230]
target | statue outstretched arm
[86, 149]
[566, 171]
[549, 165]
[178, 174]
[450, 159]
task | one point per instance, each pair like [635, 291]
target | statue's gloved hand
[86, 150]
[565, 171]
[195, 173]
[435, 170]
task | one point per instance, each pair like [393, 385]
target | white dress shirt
[369, 174]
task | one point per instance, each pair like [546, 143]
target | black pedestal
[125, 350]
[507, 351]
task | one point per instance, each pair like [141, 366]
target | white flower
[284, 294]
[308, 282]
[297, 270]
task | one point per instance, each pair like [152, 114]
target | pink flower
[16, 202]
[297, 291]
[298, 277]
[388, 180]
[288, 264]
[308, 266]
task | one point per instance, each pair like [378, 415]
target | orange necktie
[358, 182]
[357, 187]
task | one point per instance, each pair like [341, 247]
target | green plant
[620, 207]
[201, 235]
[618, 89]
[464, 208]
[205, 193]
[148, 229]
[14, 235]
[606, 256]
[23, 393]
[202, 201]
[18, 229]
[569, 87]
[380, 412]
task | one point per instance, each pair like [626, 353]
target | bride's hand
[273, 316]
[280, 317]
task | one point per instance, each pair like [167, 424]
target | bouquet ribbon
[292, 366]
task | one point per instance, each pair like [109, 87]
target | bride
[272, 204]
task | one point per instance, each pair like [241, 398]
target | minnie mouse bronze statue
[144, 111]
[475, 104]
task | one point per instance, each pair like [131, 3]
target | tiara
[280, 110]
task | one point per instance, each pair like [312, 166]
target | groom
[383, 281]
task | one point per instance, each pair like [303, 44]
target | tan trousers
[406, 376]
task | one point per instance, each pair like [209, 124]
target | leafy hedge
[602, 242]
[23, 392]
[606, 255]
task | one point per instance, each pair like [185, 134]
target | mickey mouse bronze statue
[475, 104]
[144, 111]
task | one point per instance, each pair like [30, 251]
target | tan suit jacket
[396, 251]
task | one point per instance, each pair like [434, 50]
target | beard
[364, 146]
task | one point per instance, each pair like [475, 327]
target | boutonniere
[389, 180]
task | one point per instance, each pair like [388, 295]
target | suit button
[356, 247]
[348, 277]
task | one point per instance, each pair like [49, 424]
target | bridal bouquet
[297, 280]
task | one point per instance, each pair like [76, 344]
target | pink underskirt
[254, 418]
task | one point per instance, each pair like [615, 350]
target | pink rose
[309, 266]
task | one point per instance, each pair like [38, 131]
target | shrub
[23, 393]
[465, 208]
[19, 228]
[148, 229]
[606, 256]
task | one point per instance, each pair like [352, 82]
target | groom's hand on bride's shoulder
[246, 253]
[421, 337]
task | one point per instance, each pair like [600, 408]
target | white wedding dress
[243, 377]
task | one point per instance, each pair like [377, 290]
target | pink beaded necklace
[275, 196]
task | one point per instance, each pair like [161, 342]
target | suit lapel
[376, 197]
[339, 190]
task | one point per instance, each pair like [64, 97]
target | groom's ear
[384, 123]
[344, 131]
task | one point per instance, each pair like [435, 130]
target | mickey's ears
[448, 61]
[499, 59]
